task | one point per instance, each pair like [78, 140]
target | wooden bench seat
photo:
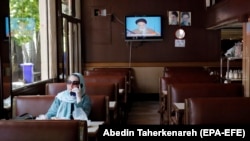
[43, 130]
[178, 92]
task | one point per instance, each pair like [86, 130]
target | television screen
[143, 28]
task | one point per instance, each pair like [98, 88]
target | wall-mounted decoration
[180, 43]
[185, 18]
[173, 17]
[180, 33]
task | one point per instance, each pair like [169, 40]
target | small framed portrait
[173, 17]
[185, 18]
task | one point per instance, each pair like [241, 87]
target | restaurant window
[32, 35]
[70, 37]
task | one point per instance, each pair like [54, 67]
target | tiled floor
[144, 113]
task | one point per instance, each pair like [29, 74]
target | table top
[112, 105]
[179, 106]
[93, 127]
[165, 92]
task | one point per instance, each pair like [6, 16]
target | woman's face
[72, 82]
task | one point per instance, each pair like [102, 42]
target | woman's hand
[77, 91]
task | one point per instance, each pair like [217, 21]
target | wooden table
[113, 111]
[93, 128]
[112, 105]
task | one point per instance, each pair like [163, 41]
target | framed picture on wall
[173, 17]
[185, 18]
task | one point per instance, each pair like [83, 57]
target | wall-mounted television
[143, 28]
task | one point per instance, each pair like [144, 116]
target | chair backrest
[118, 80]
[43, 130]
[129, 73]
[99, 108]
[109, 89]
[178, 92]
[219, 110]
[55, 88]
[32, 104]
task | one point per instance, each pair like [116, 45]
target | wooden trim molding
[151, 64]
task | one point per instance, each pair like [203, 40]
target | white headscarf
[82, 82]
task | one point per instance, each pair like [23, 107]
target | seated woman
[74, 98]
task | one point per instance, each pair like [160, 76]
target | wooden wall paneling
[104, 36]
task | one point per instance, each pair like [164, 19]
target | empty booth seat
[178, 92]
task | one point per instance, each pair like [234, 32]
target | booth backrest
[109, 89]
[105, 72]
[110, 73]
[129, 73]
[43, 130]
[178, 92]
[32, 104]
[99, 108]
[165, 82]
[188, 75]
[118, 80]
[55, 88]
[219, 110]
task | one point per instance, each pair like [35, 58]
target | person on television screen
[173, 18]
[142, 28]
[185, 19]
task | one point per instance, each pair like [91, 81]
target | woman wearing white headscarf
[68, 100]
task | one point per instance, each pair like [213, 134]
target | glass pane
[67, 7]
[64, 54]
[78, 9]
[25, 36]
